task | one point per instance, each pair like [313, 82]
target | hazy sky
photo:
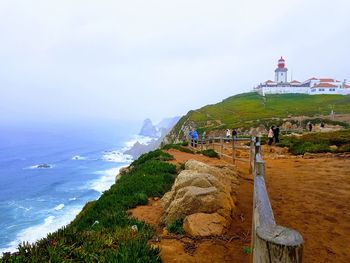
[135, 59]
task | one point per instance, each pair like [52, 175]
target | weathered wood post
[233, 150]
[221, 146]
[251, 154]
[270, 242]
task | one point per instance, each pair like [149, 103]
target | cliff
[251, 110]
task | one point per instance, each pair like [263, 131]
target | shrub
[317, 142]
[153, 155]
[177, 147]
[184, 143]
[210, 153]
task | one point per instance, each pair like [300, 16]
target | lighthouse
[281, 72]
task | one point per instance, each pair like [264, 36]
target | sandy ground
[309, 195]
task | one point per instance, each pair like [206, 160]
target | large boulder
[204, 190]
[202, 225]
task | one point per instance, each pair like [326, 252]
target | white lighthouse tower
[281, 72]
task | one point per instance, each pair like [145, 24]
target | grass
[176, 227]
[102, 232]
[317, 142]
[247, 250]
[252, 110]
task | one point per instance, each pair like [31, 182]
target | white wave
[78, 157]
[34, 233]
[117, 157]
[72, 199]
[105, 181]
[20, 206]
[59, 207]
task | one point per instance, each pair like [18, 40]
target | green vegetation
[176, 227]
[178, 147]
[247, 250]
[317, 142]
[210, 153]
[154, 155]
[251, 110]
[103, 232]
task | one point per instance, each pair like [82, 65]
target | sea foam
[116, 156]
[59, 207]
[105, 181]
[36, 232]
[137, 138]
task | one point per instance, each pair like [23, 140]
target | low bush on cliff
[153, 155]
[210, 153]
[317, 142]
[178, 147]
[103, 232]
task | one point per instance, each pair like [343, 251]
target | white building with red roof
[311, 86]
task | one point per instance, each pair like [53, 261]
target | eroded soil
[310, 195]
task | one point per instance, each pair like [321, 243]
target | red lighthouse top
[281, 63]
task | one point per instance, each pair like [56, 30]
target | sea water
[47, 174]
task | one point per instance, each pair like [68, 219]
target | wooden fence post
[233, 150]
[221, 146]
[270, 242]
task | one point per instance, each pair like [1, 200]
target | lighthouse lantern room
[281, 72]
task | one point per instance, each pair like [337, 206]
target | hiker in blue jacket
[190, 135]
[195, 138]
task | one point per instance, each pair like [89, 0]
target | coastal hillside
[248, 110]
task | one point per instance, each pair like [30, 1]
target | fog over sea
[48, 172]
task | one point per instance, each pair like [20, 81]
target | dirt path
[309, 195]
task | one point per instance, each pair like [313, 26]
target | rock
[43, 165]
[201, 189]
[333, 147]
[202, 224]
[227, 176]
[134, 228]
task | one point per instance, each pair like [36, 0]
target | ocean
[47, 174]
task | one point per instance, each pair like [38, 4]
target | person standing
[190, 135]
[276, 133]
[228, 134]
[270, 135]
[310, 126]
[195, 138]
[234, 133]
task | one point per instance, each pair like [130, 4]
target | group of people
[273, 135]
[230, 134]
[193, 136]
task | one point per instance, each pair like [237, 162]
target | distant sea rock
[148, 129]
[43, 166]
[156, 132]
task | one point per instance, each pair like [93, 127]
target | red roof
[269, 81]
[313, 78]
[327, 80]
[325, 85]
[346, 86]
[295, 81]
